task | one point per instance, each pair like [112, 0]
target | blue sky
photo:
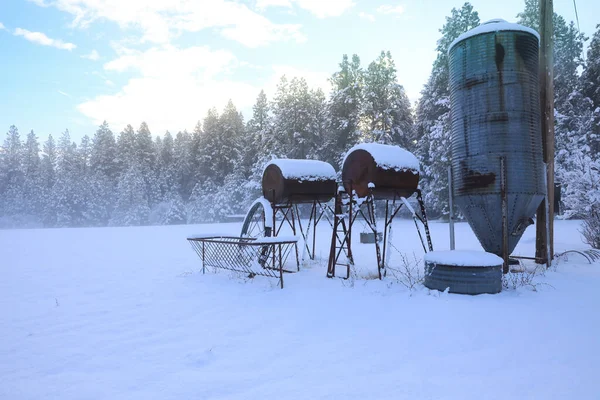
[70, 64]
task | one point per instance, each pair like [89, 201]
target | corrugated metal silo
[495, 111]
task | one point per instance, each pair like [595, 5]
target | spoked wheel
[256, 226]
[255, 222]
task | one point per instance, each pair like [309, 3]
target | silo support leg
[504, 194]
[424, 215]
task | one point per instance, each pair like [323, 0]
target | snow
[306, 170]
[205, 235]
[493, 25]
[464, 258]
[388, 157]
[126, 313]
[268, 210]
[276, 239]
[408, 206]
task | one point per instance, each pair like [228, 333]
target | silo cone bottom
[484, 214]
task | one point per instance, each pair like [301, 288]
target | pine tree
[11, 179]
[294, 119]
[146, 162]
[48, 180]
[232, 135]
[68, 193]
[126, 150]
[132, 204]
[102, 157]
[104, 173]
[387, 114]
[591, 73]
[183, 161]
[258, 141]
[32, 178]
[345, 107]
[568, 51]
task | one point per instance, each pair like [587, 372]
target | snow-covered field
[123, 313]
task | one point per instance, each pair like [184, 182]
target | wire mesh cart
[253, 256]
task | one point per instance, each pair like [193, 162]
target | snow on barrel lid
[463, 258]
[493, 25]
[306, 170]
[387, 156]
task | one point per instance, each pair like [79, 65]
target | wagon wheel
[254, 222]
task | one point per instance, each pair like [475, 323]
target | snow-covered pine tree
[105, 171]
[578, 149]
[232, 134]
[146, 159]
[294, 119]
[32, 179]
[125, 149]
[132, 203]
[318, 123]
[11, 179]
[387, 112]
[205, 143]
[68, 193]
[591, 73]
[258, 141]
[568, 59]
[433, 114]
[48, 179]
[344, 109]
[183, 161]
[102, 158]
[170, 209]
[572, 109]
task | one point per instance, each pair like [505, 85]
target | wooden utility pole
[544, 243]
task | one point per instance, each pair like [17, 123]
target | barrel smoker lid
[388, 156]
[463, 258]
[307, 170]
[493, 25]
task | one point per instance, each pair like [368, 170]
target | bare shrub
[524, 276]
[409, 272]
[591, 228]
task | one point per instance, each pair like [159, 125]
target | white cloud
[368, 17]
[320, 8]
[323, 9]
[161, 20]
[172, 89]
[40, 38]
[262, 4]
[110, 83]
[2, 27]
[391, 10]
[64, 93]
[94, 56]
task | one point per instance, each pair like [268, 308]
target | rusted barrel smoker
[298, 181]
[386, 171]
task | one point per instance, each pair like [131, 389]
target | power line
[576, 16]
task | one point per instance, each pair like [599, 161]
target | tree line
[133, 178]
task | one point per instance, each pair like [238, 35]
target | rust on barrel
[384, 171]
[298, 181]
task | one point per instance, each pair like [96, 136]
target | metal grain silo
[495, 112]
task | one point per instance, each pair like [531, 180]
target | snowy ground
[124, 313]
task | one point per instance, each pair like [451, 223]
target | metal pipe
[451, 211]
[504, 194]
[549, 245]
